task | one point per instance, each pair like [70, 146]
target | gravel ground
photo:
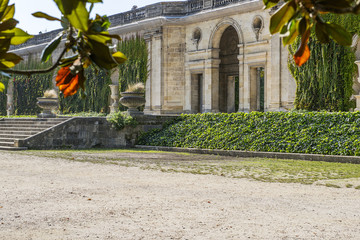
[49, 198]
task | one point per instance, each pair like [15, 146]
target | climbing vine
[325, 81]
[135, 69]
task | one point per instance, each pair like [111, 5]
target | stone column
[211, 83]
[357, 62]
[274, 85]
[148, 93]
[114, 87]
[156, 74]
[241, 78]
[231, 94]
[10, 98]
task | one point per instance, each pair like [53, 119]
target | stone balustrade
[168, 9]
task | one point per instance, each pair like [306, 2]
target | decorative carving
[257, 26]
[196, 37]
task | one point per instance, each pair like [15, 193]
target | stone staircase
[22, 128]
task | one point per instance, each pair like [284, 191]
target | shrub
[291, 132]
[120, 120]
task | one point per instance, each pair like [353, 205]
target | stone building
[205, 56]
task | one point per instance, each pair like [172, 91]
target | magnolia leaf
[292, 33]
[17, 36]
[282, 16]
[4, 45]
[69, 60]
[46, 16]
[303, 53]
[8, 24]
[270, 3]
[321, 33]
[111, 35]
[9, 12]
[49, 49]
[119, 57]
[65, 23]
[9, 60]
[339, 34]
[332, 4]
[100, 54]
[100, 38]
[75, 11]
[2, 87]
[3, 6]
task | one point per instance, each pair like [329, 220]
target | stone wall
[91, 132]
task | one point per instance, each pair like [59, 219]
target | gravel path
[45, 198]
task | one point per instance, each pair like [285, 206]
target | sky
[32, 25]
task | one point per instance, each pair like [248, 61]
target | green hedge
[291, 132]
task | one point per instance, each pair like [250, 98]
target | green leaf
[321, 33]
[100, 54]
[75, 11]
[282, 16]
[9, 12]
[49, 49]
[65, 23]
[8, 24]
[270, 3]
[339, 34]
[332, 4]
[46, 16]
[99, 38]
[9, 60]
[16, 35]
[2, 87]
[3, 6]
[4, 45]
[292, 33]
[119, 57]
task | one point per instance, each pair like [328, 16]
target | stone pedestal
[10, 98]
[114, 106]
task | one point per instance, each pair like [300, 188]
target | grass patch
[260, 169]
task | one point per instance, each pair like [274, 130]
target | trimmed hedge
[291, 132]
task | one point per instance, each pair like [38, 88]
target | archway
[229, 71]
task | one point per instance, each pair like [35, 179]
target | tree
[300, 17]
[87, 39]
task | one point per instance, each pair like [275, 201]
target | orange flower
[69, 83]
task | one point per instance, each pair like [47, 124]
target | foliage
[135, 69]
[95, 98]
[121, 120]
[136, 88]
[28, 88]
[298, 18]
[325, 81]
[88, 39]
[291, 132]
[3, 98]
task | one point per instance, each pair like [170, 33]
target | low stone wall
[90, 132]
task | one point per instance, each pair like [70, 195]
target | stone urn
[132, 100]
[47, 105]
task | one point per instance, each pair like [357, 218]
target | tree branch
[36, 71]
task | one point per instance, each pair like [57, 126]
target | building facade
[205, 56]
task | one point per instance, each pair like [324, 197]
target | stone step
[27, 128]
[14, 136]
[19, 132]
[9, 148]
[20, 126]
[32, 119]
[7, 144]
[11, 140]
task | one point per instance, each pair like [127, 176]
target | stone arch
[214, 41]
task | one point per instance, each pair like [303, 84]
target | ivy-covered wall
[325, 82]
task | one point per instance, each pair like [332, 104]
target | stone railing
[169, 9]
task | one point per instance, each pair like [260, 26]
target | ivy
[290, 132]
[325, 81]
